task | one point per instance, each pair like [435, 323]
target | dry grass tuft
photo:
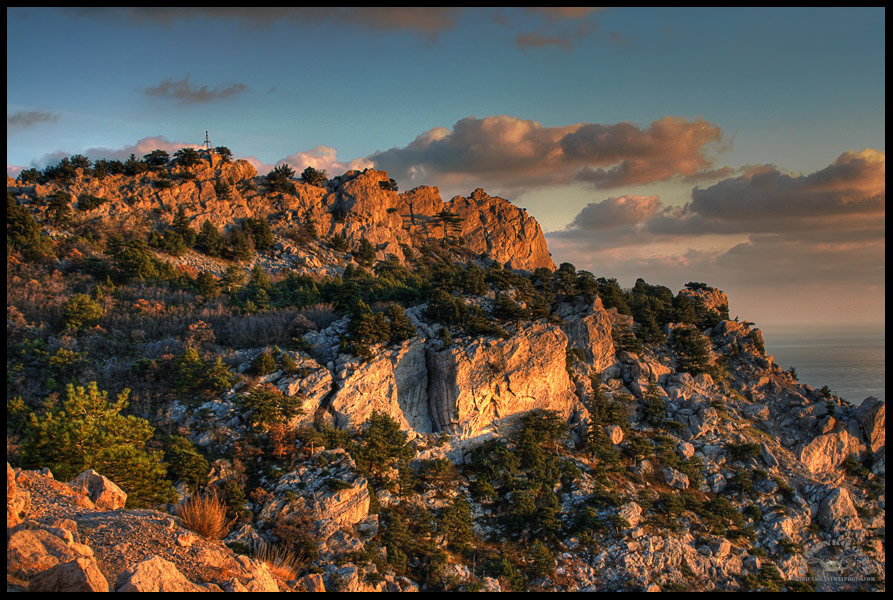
[283, 562]
[205, 514]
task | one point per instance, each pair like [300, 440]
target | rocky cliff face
[353, 205]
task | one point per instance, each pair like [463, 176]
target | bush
[185, 462]
[269, 407]
[279, 179]
[81, 310]
[314, 177]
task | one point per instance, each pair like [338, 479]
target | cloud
[532, 40]
[563, 12]
[187, 93]
[617, 212]
[429, 21]
[558, 29]
[847, 197]
[516, 153]
[633, 155]
[855, 183]
[765, 234]
[24, 119]
[321, 158]
[140, 149]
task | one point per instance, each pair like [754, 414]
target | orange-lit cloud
[321, 158]
[141, 148]
[513, 153]
[762, 233]
[429, 21]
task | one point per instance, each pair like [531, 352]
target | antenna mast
[207, 142]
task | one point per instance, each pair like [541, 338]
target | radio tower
[207, 142]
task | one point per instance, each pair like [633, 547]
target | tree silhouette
[314, 177]
[451, 222]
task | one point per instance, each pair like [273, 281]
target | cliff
[355, 205]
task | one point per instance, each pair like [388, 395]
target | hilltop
[397, 393]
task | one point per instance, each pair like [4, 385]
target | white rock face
[589, 329]
[476, 389]
[394, 383]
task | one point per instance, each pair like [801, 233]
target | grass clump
[205, 514]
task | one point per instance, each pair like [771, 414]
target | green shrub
[269, 407]
[80, 311]
[185, 462]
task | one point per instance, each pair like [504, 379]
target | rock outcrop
[354, 205]
[478, 388]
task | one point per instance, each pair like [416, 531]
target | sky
[744, 148]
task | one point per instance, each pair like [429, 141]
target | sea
[849, 360]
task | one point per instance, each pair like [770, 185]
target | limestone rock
[31, 551]
[615, 434]
[675, 478]
[331, 493]
[394, 383]
[631, 513]
[837, 511]
[712, 299]
[826, 452]
[476, 388]
[102, 491]
[313, 582]
[155, 574]
[872, 416]
[18, 500]
[589, 329]
[79, 575]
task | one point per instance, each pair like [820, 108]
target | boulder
[825, 452]
[31, 551]
[837, 511]
[631, 513]
[78, 575]
[155, 574]
[615, 434]
[675, 478]
[102, 491]
[18, 500]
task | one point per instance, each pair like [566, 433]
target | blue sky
[602, 123]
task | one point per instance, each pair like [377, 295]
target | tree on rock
[88, 431]
[188, 157]
[314, 177]
[157, 159]
[279, 179]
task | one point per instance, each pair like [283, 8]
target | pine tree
[88, 431]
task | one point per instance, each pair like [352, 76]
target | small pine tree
[88, 431]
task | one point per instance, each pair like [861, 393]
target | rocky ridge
[355, 205]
